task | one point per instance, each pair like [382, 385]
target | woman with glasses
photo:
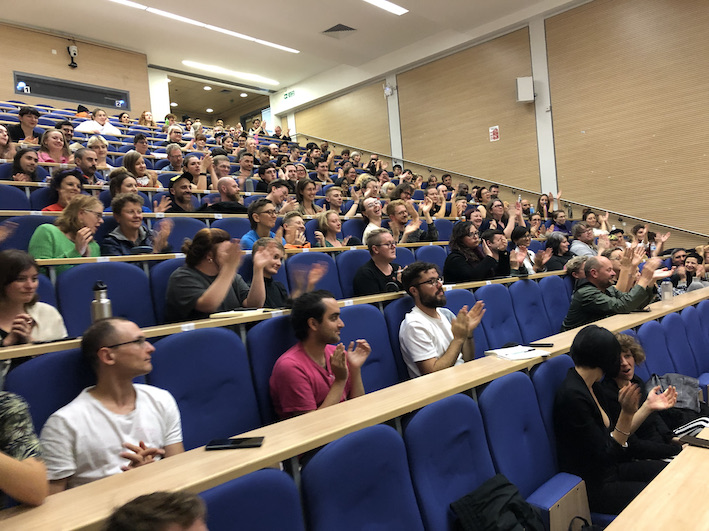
[72, 235]
[209, 282]
[65, 185]
[469, 259]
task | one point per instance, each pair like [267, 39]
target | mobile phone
[235, 443]
[541, 345]
[694, 441]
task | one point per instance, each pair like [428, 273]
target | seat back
[13, 198]
[159, 277]
[182, 229]
[556, 300]
[265, 342]
[697, 338]
[45, 291]
[404, 256]
[394, 314]
[348, 263]
[126, 284]
[26, 225]
[499, 321]
[445, 229]
[432, 253]
[374, 489]
[42, 197]
[299, 263]
[456, 299]
[208, 373]
[530, 311]
[236, 227]
[248, 503]
[546, 378]
[354, 227]
[652, 337]
[678, 345]
[364, 321]
[448, 456]
[518, 441]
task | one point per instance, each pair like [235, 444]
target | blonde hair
[68, 221]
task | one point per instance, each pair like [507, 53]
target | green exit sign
[289, 94]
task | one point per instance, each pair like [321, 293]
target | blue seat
[697, 340]
[26, 225]
[418, 195]
[236, 227]
[159, 277]
[432, 253]
[125, 283]
[535, 246]
[364, 321]
[212, 386]
[448, 456]
[248, 503]
[519, 443]
[394, 314]
[13, 198]
[374, 488]
[160, 165]
[445, 229]
[499, 321]
[214, 197]
[45, 291]
[310, 227]
[530, 311]
[5, 170]
[456, 299]
[183, 228]
[348, 263]
[678, 345]
[556, 300]
[652, 338]
[354, 227]
[404, 256]
[547, 378]
[304, 261]
[106, 198]
[42, 197]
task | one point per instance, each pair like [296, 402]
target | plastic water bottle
[101, 305]
[666, 290]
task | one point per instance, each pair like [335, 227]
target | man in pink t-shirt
[315, 373]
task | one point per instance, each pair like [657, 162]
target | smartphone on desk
[235, 443]
[694, 441]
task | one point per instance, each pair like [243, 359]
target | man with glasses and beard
[432, 338]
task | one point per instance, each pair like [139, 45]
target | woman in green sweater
[72, 235]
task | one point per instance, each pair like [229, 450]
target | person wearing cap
[181, 194]
[26, 131]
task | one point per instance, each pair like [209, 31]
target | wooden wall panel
[629, 83]
[30, 51]
[358, 118]
[447, 107]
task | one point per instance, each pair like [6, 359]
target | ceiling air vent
[338, 31]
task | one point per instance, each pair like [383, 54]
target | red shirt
[56, 207]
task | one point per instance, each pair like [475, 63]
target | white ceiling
[296, 24]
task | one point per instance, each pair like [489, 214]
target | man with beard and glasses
[433, 338]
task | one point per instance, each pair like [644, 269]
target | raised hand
[486, 248]
[20, 330]
[317, 271]
[6, 230]
[320, 238]
[165, 203]
[459, 324]
[162, 234]
[260, 258]
[629, 398]
[657, 401]
[83, 238]
[475, 315]
[357, 353]
[139, 455]
[229, 253]
[542, 257]
[426, 205]
[338, 363]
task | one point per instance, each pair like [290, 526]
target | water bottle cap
[99, 285]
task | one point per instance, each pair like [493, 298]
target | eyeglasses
[97, 214]
[431, 282]
[269, 212]
[140, 342]
[391, 245]
[473, 234]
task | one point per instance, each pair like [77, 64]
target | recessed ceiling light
[193, 22]
[385, 5]
[214, 69]
[173, 104]
[207, 87]
[243, 94]
[210, 110]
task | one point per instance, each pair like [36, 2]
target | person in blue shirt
[262, 216]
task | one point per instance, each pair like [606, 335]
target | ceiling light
[173, 104]
[388, 6]
[243, 94]
[193, 22]
[210, 110]
[214, 69]
[207, 87]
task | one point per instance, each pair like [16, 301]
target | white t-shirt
[422, 337]
[83, 440]
[91, 126]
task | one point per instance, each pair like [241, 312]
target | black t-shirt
[17, 134]
[369, 280]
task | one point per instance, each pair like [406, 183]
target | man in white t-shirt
[115, 425]
[432, 338]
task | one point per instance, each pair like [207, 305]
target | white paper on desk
[517, 353]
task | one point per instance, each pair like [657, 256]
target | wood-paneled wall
[629, 84]
[30, 51]
[358, 118]
[448, 106]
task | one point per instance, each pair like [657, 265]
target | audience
[380, 274]
[181, 194]
[560, 254]
[305, 191]
[469, 258]
[135, 163]
[26, 132]
[53, 148]
[99, 125]
[583, 244]
[404, 222]
[24, 166]
[7, 147]
[131, 236]
[262, 217]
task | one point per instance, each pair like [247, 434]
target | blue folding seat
[26, 225]
[456, 299]
[311, 226]
[42, 197]
[125, 283]
[519, 442]
[214, 197]
[164, 178]
[445, 229]
[556, 300]
[182, 229]
[106, 198]
[45, 291]
[499, 321]
[678, 345]
[432, 253]
[236, 227]
[652, 338]
[6, 170]
[208, 373]
[159, 277]
[394, 314]
[530, 311]
[13, 198]
[348, 263]
[700, 345]
[354, 227]
[547, 378]
[161, 164]
[404, 256]
[448, 456]
[373, 489]
[418, 195]
[248, 503]
[298, 263]
[364, 321]
[535, 246]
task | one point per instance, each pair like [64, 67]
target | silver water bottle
[101, 305]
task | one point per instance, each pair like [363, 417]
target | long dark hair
[12, 263]
[17, 168]
[460, 231]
